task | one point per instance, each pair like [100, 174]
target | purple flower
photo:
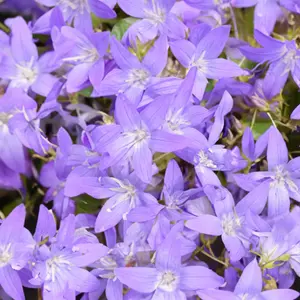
[249, 289]
[156, 20]
[138, 140]
[283, 58]
[84, 50]
[173, 192]
[78, 11]
[22, 65]
[168, 278]
[12, 152]
[25, 122]
[124, 192]
[205, 57]
[60, 259]
[205, 155]
[277, 185]
[251, 149]
[134, 76]
[16, 247]
[231, 225]
[175, 113]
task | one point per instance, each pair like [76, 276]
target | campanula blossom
[22, 66]
[283, 58]
[204, 56]
[133, 77]
[277, 185]
[168, 278]
[157, 19]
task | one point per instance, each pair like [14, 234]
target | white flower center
[108, 263]
[282, 177]
[203, 159]
[200, 63]
[27, 73]
[223, 4]
[139, 136]
[75, 5]
[5, 255]
[138, 78]
[175, 121]
[231, 223]
[295, 253]
[54, 264]
[88, 55]
[127, 193]
[290, 57]
[4, 118]
[168, 281]
[156, 15]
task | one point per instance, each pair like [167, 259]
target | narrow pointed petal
[11, 283]
[12, 225]
[173, 178]
[167, 256]
[279, 200]
[114, 290]
[217, 295]
[133, 8]
[22, 45]
[248, 144]
[277, 153]
[255, 200]
[142, 162]
[253, 286]
[162, 141]
[141, 279]
[219, 68]
[124, 59]
[183, 51]
[279, 294]
[156, 58]
[127, 114]
[81, 280]
[223, 109]
[275, 78]
[66, 231]
[111, 213]
[197, 277]
[184, 92]
[45, 226]
[265, 15]
[206, 224]
[101, 10]
[213, 42]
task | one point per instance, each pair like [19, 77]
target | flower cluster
[147, 150]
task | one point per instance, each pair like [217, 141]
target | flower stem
[233, 18]
[269, 115]
[213, 258]
[253, 118]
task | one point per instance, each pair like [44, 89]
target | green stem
[214, 258]
[4, 28]
[160, 157]
[269, 115]
[253, 118]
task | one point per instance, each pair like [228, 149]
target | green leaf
[87, 204]
[7, 209]
[260, 126]
[86, 92]
[120, 28]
